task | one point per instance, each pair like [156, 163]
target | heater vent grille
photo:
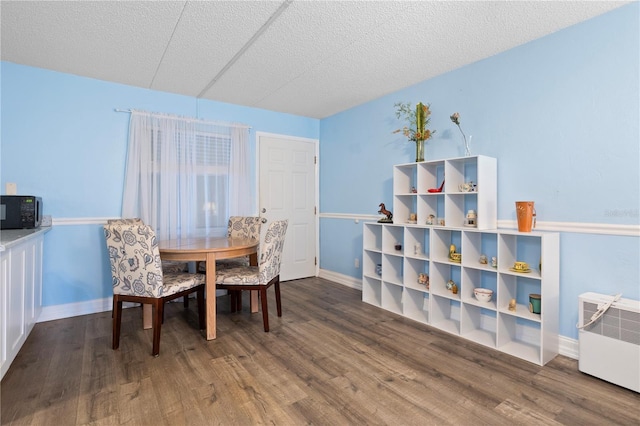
[616, 323]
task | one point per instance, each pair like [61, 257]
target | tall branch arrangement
[418, 119]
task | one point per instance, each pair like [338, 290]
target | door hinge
[315, 160]
[315, 261]
[315, 210]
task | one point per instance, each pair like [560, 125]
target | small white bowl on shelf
[483, 294]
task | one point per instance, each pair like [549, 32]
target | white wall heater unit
[610, 346]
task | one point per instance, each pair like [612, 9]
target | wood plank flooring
[330, 360]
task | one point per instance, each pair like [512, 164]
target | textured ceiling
[309, 58]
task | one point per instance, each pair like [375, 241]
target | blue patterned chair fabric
[260, 277]
[244, 227]
[247, 227]
[127, 221]
[137, 275]
[167, 266]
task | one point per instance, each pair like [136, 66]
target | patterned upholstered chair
[261, 277]
[138, 277]
[167, 266]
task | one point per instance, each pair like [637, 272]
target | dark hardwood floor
[330, 360]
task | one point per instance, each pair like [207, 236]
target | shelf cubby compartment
[370, 261]
[403, 206]
[412, 268]
[520, 247]
[441, 241]
[372, 236]
[477, 243]
[472, 278]
[478, 324]
[392, 269]
[391, 297]
[416, 305]
[457, 206]
[445, 314]
[427, 205]
[404, 178]
[441, 273]
[518, 288]
[430, 175]
[482, 171]
[460, 170]
[392, 235]
[414, 236]
[520, 337]
[431, 204]
[372, 291]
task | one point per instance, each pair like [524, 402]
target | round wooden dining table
[209, 249]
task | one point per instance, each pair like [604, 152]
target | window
[179, 174]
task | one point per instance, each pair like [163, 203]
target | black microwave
[20, 211]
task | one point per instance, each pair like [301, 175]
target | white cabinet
[452, 203]
[395, 255]
[20, 294]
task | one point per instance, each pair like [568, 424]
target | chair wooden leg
[201, 308]
[265, 310]
[158, 313]
[232, 301]
[235, 300]
[116, 314]
[276, 285]
[185, 302]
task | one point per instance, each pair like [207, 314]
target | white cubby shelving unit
[390, 276]
[451, 204]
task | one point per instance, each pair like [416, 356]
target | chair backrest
[271, 250]
[244, 227]
[136, 268]
[131, 221]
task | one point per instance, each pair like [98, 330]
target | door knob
[264, 220]
[264, 210]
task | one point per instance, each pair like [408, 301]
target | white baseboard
[341, 279]
[51, 313]
[569, 347]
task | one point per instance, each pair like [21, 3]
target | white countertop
[11, 237]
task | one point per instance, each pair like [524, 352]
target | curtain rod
[191, 119]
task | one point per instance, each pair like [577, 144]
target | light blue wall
[561, 115]
[62, 140]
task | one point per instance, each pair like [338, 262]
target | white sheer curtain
[186, 176]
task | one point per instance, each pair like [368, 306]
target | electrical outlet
[11, 188]
[357, 263]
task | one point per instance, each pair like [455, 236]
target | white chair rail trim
[574, 227]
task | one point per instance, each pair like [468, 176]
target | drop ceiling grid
[206, 39]
[304, 36]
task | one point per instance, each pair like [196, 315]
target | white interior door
[287, 182]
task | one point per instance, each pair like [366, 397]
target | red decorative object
[432, 190]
